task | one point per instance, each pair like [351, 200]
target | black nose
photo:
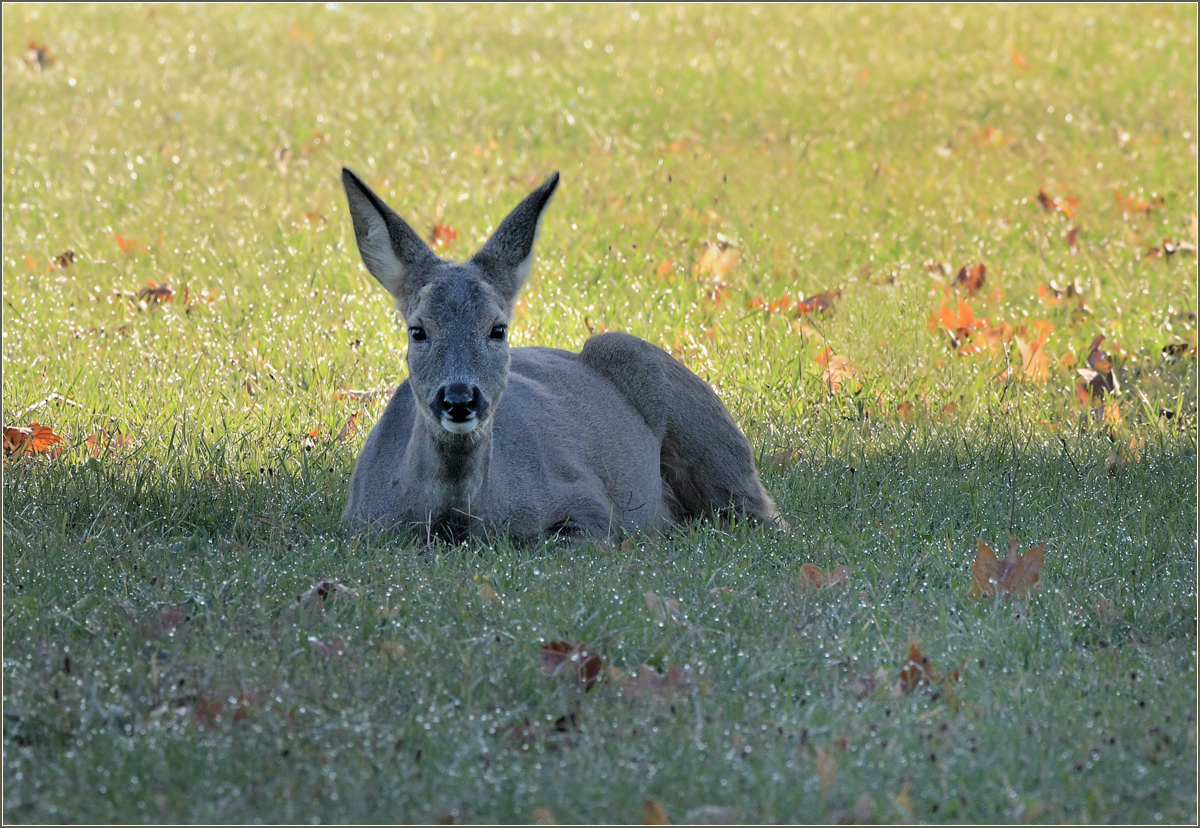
[458, 401]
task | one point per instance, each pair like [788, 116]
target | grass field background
[719, 165]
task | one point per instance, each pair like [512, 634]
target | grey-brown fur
[483, 439]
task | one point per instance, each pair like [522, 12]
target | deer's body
[530, 442]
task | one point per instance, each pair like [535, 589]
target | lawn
[890, 237]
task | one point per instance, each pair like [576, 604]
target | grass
[157, 663]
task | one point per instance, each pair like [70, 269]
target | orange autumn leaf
[1018, 60]
[101, 442]
[1035, 363]
[1132, 204]
[655, 814]
[1066, 206]
[960, 323]
[971, 278]
[837, 371]
[1099, 378]
[128, 246]
[782, 303]
[818, 302]
[559, 658]
[1015, 575]
[32, 439]
[718, 260]
[664, 267]
[813, 577]
[443, 235]
[351, 426]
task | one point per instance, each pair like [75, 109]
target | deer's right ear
[393, 253]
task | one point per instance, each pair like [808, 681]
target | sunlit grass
[857, 149]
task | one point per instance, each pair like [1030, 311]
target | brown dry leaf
[656, 605]
[819, 302]
[1035, 362]
[562, 658]
[393, 650]
[34, 438]
[827, 768]
[64, 259]
[488, 594]
[37, 56]
[1112, 413]
[813, 577]
[1099, 378]
[543, 816]
[655, 814]
[334, 648]
[1066, 206]
[1132, 204]
[917, 670]
[1015, 575]
[101, 442]
[864, 684]
[971, 278]
[718, 260]
[838, 369]
[208, 710]
[648, 682]
[322, 589]
[861, 814]
[351, 426]
[1107, 610]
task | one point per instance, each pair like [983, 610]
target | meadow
[939, 262]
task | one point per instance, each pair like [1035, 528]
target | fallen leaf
[65, 259]
[1107, 611]
[838, 369]
[335, 648]
[128, 246]
[560, 658]
[1035, 363]
[393, 650]
[719, 259]
[322, 589]
[819, 302]
[162, 292]
[1174, 351]
[1066, 206]
[34, 438]
[827, 768]
[30, 262]
[1018, 60]
[487, 593]
[442, 235]
[655, 814]
[351, 426]
[1099, 377]
[101, 442]
[1072, 234]
[543, 816]
[917, 670]
[960, 323]
[712, 815]
[813, 577]
[972, 278]
[648, 682]
[38, 57]
[861, 814]
[208, 710]
[1015, 575]
[1132, 204]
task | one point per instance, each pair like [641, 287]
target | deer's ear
[393, 253]
[507, 257]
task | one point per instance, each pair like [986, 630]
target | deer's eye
[417, 334]
[498, 332]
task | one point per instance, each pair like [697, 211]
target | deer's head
[457, 312]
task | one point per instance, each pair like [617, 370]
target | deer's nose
[459, 401]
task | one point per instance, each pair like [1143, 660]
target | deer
[484, 440]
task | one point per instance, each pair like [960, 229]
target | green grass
[146, 592]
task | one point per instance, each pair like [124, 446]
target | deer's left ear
[507, 257]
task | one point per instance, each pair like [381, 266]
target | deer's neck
[453, 469]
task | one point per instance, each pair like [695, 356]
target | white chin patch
[460, 428]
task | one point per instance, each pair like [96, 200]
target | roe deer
[482, 439]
